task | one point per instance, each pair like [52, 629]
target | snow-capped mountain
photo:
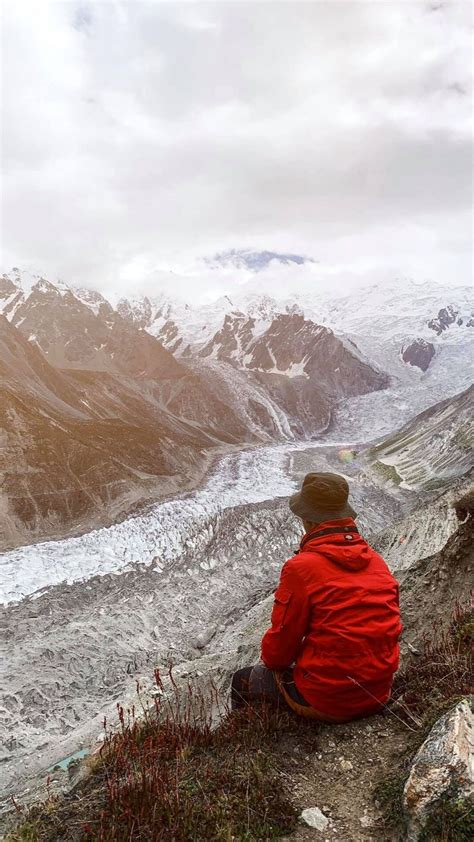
[384, 318]
[254, 261]
[175, 323]
[105, 415]
[296, 347]
[80, 330]
[388, 315]
[389, 326]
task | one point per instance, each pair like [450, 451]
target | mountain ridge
[117, 418]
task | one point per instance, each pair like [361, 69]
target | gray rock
[313, 817]
[419, 353]
[446, 317]
[201, 640]
[443, 764]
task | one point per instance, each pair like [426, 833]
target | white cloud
[139, 135]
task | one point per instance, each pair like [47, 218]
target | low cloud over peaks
[149, 134]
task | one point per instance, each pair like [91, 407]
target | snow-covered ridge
[376, 323]
[400, 310]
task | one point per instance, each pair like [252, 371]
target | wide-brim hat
[323, 496]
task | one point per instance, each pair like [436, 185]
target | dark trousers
[257, 685]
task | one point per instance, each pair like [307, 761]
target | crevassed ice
[163, 531]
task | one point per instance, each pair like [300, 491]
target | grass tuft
[389, 794]
[172, 775]
[435, 681]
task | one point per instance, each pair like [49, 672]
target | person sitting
[332, 649]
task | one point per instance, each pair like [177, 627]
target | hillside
[85, 444]
[433, 449]
[394, 327]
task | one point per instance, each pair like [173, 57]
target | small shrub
[387, 472]
[389, 794]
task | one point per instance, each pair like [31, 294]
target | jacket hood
[348, 550]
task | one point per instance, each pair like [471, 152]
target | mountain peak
[254, 260]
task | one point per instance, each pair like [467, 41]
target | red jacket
[336, 616]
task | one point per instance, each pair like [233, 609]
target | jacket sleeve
[290, 617]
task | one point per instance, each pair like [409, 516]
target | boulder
[314, 817]
[443, 768]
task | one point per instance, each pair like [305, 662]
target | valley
[236, 278]
[145, 469]
[107, 408]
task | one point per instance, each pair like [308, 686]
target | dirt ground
[337, 769]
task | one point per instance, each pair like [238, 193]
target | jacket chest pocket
[280, 607]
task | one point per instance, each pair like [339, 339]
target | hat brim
[302, 509]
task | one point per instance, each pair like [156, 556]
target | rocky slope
[86, 334]
[261, 337]
[296, 347]
[85, 444]
[433, 449]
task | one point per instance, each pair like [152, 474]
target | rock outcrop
[443, 768]
[433, 586]
[446, 317]
[418, 353]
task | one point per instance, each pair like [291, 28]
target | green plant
[389, 795]
[387, 472]
[464, 439]
[451, 821]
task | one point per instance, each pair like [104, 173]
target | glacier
[162, 532]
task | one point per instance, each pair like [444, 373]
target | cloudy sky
[142, 136]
